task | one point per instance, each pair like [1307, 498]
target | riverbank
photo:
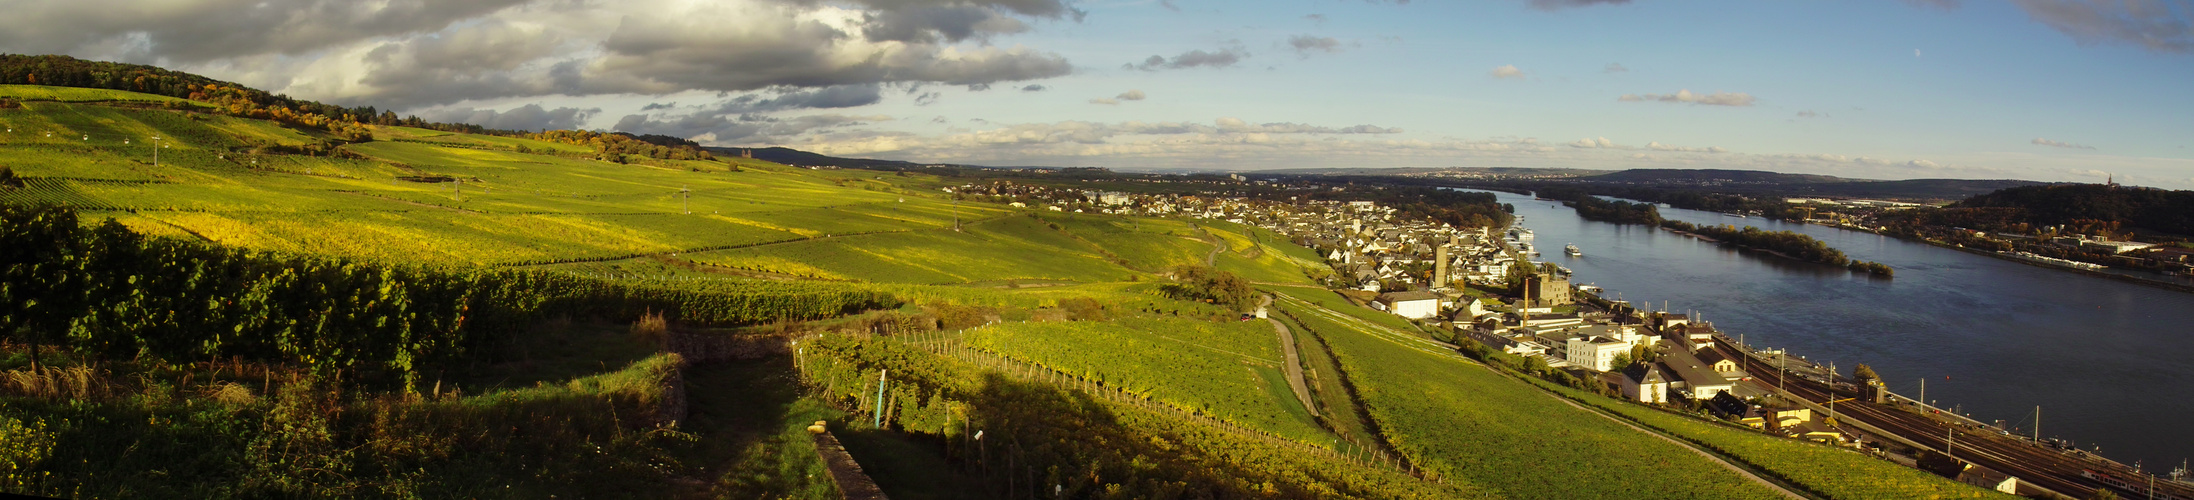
[2179, 287]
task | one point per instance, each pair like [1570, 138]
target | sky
[2053, 90]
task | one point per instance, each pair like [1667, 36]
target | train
[2137, 488]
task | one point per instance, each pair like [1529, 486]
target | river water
[2110, 363]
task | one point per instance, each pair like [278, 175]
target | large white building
[1412, 305]
[1597, 353]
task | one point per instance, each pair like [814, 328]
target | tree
[1622, 362]
[8, 178]
[1864, 373]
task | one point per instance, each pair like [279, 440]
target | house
[1470, 308]
[1412, 304]
[1989, 478]
[1694, 378]
[1722, 364]
[1645, 383]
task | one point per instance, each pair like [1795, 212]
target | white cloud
[1601, 142]
[1132, 95]
[1718, 98]
[1107, 102]
[1506, 72]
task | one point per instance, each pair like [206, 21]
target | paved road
[1294, 366]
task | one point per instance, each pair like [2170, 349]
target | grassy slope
[1468, 423]
[1828, 471]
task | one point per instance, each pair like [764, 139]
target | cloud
[1615, 68]
[1198, 58]
[2055, 144]
[530, 117]
[1506, 72]
[1316, 18]
[2152, 24]
[421, 53]
[1601, 142]
[1107, 102]
[1305, 45]
[741, 129]
[191, 31]
[1132, 95]
[1809, 114]
[1564, 4]
[1717, 98]
[978, 87]
[1034, 88]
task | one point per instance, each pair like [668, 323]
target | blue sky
[2038, 89]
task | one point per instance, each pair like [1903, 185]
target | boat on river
[1572, 250]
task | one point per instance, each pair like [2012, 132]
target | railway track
[2055, 470]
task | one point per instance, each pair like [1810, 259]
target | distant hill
[1703, 176]
[2146, 208]
[1414, 171]
[1935, 189]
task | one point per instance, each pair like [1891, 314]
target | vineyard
[1038, 428]
[1226, 369]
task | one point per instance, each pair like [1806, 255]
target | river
[2110, 363]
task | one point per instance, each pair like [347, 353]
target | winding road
[1294, 365]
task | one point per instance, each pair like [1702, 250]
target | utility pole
[156, 151]
[1923, 391]
[687, 193]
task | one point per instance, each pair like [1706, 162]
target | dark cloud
[2057, 144]
[406, 54]
[2155, 25]
[978, 87]
[738, 129]
[926, 98]
[1316, 18]
[1305, 45]
[658, 105]
[837, 96]
[662, 54]
[1564, 4]
[1034, 88]
[1615, 68]
[1198, 58]
[205, 30]
[528, 117]
[1132, 95]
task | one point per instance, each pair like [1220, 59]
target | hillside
[2129, 207]
[382, 310]
[1698, 176]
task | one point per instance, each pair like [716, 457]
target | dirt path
[1294, 363]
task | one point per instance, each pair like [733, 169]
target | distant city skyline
[2052, 90]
